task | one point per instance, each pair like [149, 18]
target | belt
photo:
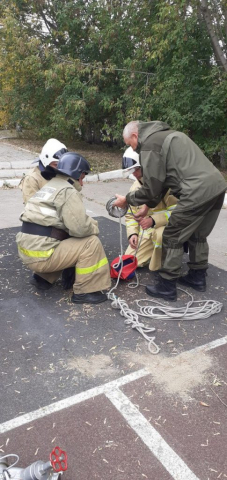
[36, 229]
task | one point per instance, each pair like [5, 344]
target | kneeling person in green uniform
[57, 233]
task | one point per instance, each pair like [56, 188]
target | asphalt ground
[52, 351]
[80, 378]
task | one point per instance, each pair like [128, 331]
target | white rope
[132, 318]
[193, 310]
[9, 455]
[116, 212]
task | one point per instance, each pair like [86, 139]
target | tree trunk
[218, 52]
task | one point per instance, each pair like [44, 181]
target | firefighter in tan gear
[152, 226]
[33, 181]
[57, 233]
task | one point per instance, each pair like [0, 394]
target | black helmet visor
[127, 162]
[59, 153]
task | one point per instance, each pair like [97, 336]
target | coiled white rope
[116, 212]
[193, 310]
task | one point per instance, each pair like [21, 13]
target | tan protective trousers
[92, 271]
[150, 250]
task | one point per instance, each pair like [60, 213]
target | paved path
[79, 378]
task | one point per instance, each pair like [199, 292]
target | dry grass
[100, 157]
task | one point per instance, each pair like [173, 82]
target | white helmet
[130, 160]
[52, 151]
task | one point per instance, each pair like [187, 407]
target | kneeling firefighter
[57, 233]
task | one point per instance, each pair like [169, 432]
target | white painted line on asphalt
[210, 345]
[93, 392]
[152, 439]
[70, 401]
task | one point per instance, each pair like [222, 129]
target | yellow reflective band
[131, 223]
[35, 253]
[171, 207]
[132, 211]
[93, 268]
[167, 215]
[157, 245]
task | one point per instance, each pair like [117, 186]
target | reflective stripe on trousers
[36, 253]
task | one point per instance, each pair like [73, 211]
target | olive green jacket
[170, 159]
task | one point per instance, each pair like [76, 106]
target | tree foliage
[87, 67]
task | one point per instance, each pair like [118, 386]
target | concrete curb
[105, 176]
[113, 174]
[100, 177]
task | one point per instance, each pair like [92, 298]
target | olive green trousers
[192, 226]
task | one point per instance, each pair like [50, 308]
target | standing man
[33, 181]
[57, 233]
[170, 159]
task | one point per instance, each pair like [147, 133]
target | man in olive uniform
[170, 159]
[57, 233]
[33, 181]
[146, 234]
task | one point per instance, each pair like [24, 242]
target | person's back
[31, 183]
[170, 159]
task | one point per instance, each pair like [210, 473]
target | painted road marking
[93, 392]
[211, 345]
[152, 439]
[70, 401]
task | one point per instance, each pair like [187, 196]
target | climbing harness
[193, 310]
[51, 470]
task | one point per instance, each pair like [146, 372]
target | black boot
[163, 288]
[68, 278]
[195, 279]
[93, 297]
[40, 283]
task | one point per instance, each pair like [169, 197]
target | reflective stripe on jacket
[58, 204]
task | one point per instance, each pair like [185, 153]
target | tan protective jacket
[160, 214]
[31, 183]
[58, 204]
